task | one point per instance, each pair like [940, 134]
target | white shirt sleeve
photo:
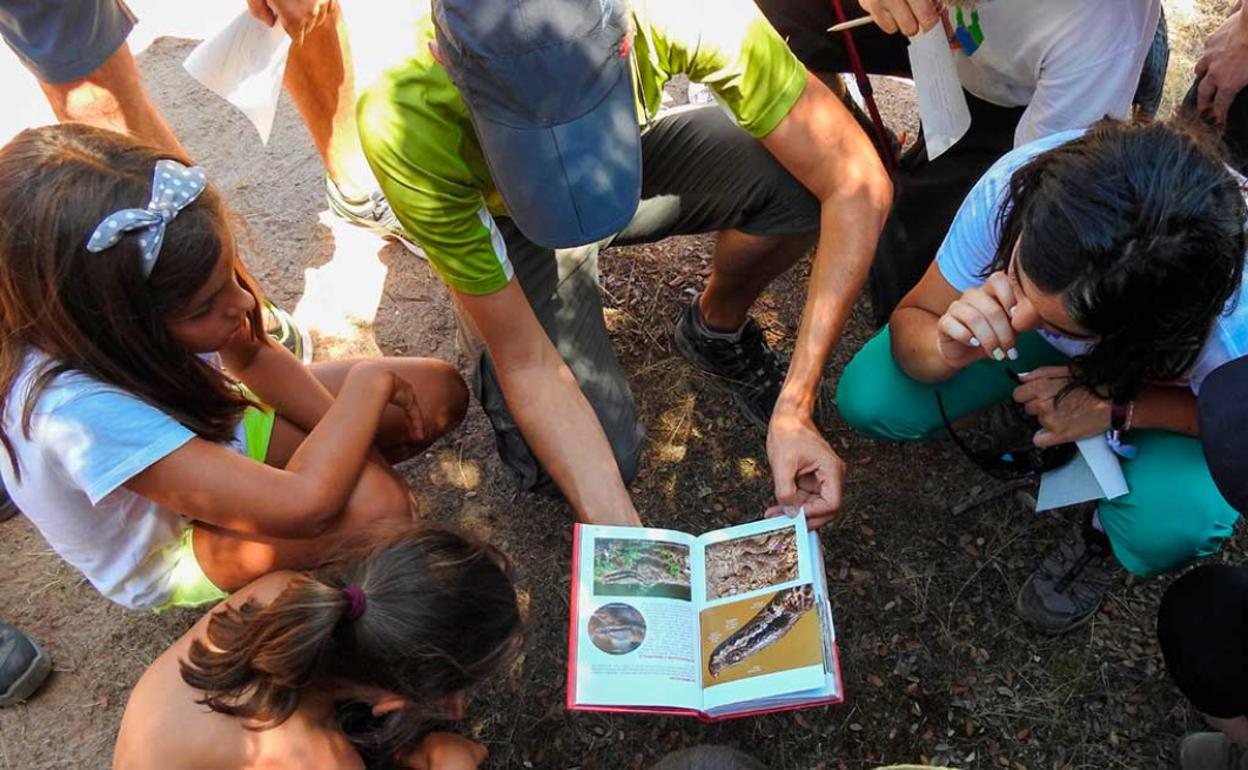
[971, 242]
[101, 437]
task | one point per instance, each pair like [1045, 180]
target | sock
[706, 331]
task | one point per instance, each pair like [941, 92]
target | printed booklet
[731, 623]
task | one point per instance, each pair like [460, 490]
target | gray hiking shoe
[742, 360]
[1211, 751]
[1065, 591]
[23, 666]
[372, 212]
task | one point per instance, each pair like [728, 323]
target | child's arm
[216, 485]
[277, 378]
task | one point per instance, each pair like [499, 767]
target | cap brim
[1224, 430]
[574, 183]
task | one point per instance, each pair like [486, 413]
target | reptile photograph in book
[629, 567]
[617, 628]
[761, 635]
[746, 564]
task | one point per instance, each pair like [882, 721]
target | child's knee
[380, 495]
[451, 394]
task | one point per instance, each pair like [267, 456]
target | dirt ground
[937, 666]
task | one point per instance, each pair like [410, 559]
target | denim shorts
[61, 41]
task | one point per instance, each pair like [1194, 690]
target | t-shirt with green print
[421, 146]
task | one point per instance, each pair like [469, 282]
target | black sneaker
[743, 360]
[281, 326]
[1065, 591]
[23, 666]
[373, 212]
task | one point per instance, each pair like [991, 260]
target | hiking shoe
[742, 359]
[7, 509]
[1211, 751]
[23, 666]
[372, 211]
[1064, 592]
[281, 326]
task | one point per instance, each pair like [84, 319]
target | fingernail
[998, 354]
[1013, 311]
[974, 342]
[1013, 354]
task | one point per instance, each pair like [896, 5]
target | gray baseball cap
[548, 86]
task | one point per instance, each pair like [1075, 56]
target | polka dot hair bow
[174, 187]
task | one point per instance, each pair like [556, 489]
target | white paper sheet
[244, 63]
[1093, 474]
[942, 102]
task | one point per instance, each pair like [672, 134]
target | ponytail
[424, 614]
[257, 660]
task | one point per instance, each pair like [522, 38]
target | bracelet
[1120, 416]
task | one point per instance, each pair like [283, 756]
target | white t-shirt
[971, 244]
[1072, 62]
[86, 440]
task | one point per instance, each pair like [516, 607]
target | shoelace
[758, 357]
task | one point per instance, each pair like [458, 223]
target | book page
[759, 638]
[635, 633]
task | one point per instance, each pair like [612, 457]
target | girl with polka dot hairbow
[151, 430]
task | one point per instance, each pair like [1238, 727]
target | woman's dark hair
[439, 615]
[1140, 229]
[96, 312]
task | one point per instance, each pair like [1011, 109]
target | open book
[731, 623]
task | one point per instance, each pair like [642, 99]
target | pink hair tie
[358, 602]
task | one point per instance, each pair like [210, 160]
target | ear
[387, 704]
[436, 52]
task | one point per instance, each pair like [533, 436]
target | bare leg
[380, 496]
[113, 97]
[741, 268]
[321, 82]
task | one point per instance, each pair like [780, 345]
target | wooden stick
[859, 22]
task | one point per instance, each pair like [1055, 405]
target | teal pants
[1173, 514]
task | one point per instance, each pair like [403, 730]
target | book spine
[574, 611]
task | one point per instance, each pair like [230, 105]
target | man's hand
[1223, 68]
[1076, 415]
[910, 17]
[445, 751]
[807, 472]
[298, 17]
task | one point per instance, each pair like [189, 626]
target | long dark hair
[440, 615]
[1140, 229]
[96, 312]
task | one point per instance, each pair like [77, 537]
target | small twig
[991, 493]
